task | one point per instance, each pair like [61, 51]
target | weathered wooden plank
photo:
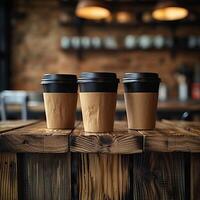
[170, 137]
[167, 137]
[121, 140]
[8, 176]
[159, 176]
[38, 129]
[8, 162]
[187, 128]
[172, 144]
[10, 125]
[195, 176]
[137, 176]
[100, 176]
[32, 143]
[45, 176]
[35, 138]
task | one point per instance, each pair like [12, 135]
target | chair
[14, 97]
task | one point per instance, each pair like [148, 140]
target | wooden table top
[33, 136]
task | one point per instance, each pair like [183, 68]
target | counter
[169, 109]
[38, 163]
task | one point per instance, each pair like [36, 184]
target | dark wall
[5, 38]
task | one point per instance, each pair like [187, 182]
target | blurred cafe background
[71, 36]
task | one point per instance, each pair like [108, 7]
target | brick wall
[36, 50]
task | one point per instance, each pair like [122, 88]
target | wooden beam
[169, 136]
[120, 141]
[172, 136]
[35, 138]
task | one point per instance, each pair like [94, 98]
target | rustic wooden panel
[122, 140]
[45, 176]
[131, 177]
[168, 136]
[195, 176]
[8, 162]
[100, 176]
[172, 136]
[34, 143]
[35, 138]
[8, 176]
[159, 176]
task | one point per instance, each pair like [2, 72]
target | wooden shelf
[81, 25]
[84, 23]
[100, 50]
[93, 50]
[169, 136]
[172, 51]
[55, 173]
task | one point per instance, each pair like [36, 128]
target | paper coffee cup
[141, 98]
[98, 94]
[60, 100]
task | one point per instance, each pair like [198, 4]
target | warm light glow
[93, 12]
[123, 17]
[170, 13]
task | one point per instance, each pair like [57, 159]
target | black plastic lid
[59, 83]
[54, 78]
[86, 77]
[98, 82]
[140, 76]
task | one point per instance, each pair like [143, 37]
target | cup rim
[58, 78]
[98, 77]
[141, 77]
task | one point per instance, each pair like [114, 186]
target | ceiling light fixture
[169, 11]
[124, 17]
[92, 10]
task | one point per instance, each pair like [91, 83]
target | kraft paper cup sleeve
[60, 109]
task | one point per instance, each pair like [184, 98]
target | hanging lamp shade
[92, 9]
[169, 11]
[124, 17]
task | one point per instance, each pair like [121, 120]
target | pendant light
[124, 17]
[92, 9]
[169, 11]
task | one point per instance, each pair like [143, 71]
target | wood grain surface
[100, 176]
[11, 125]
[35, 138]
[8, 176]
[159, 176]
[119, 141]
[8, 162]
[138, 176]
[195, 176]
[119, 165]
[169, 136]
[45, 177]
